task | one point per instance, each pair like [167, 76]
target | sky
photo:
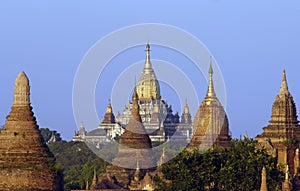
[252, 41]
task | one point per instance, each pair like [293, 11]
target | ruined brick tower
[25, 161]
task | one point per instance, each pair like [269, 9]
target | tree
[235, 168]
[47, 134]
[78, 163]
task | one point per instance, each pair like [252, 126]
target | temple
[211, 122]
[279, 137]
[156, 115]
[106, 132]
[26, 162]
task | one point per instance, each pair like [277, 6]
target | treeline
[77, 163]
[235, 168]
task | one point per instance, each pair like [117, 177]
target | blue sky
[252, 41]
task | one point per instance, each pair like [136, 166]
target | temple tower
[211, 122]
[283, 128]
[25, 160]
[134, 152]
[186, 117]
[135, 143]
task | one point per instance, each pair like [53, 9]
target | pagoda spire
[186, 108]
[109, 116]
[148, 87]
[148, 65]
[135, 113]
[109, 108]
[211, 91]
[22, 90]
[263, 186]
[284, 87]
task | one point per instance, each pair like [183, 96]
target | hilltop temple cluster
[27, 164]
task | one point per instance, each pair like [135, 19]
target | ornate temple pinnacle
[186, 108]
[211, 91]
[284, 87]
[22, 90]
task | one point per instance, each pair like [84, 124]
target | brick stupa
[134, 148]
[25, 161]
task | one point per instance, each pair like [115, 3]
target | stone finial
[263, 186]
[22, 90]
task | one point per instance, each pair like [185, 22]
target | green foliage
[47, 133]
[78, 163]
[235, 168]
[292, 142]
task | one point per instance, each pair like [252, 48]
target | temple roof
[109, 116]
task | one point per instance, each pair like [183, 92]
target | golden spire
[211, 91]
[263, 185]
[284, 87]
[109, 108]
[22, 90]
[148, 87]
[186, 108]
